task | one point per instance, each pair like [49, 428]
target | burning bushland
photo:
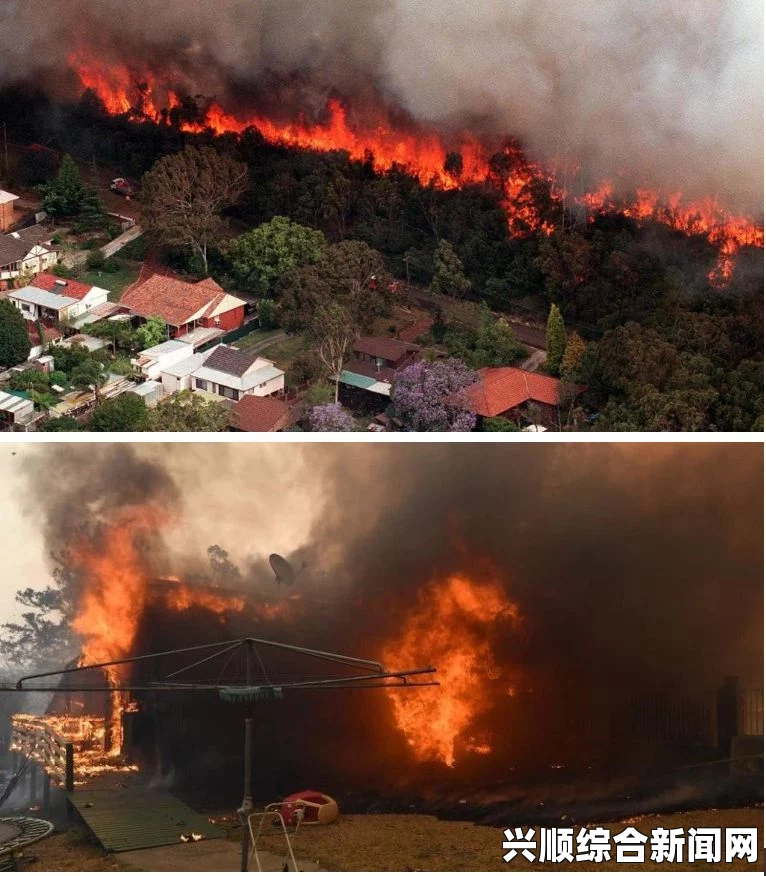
[564, 594]
[393, 83]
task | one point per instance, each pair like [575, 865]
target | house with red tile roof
[254, 413]
[510, 392]
[184, 306]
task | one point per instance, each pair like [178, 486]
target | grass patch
[116, 283]
[255, 337]
[283, 352]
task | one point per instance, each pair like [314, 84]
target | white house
[28, 251]
[232, 373]
[178, 376]
[154, 361]
[88, 297]
[37, 304]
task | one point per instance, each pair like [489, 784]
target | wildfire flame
[450, 628]
[144, 95]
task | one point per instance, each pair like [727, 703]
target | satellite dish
[283, 570]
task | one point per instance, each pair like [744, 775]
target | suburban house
[154, 361]
[185, 306]
[177, 376]
[25, 252]
[233, 373]
[254, 413]
[6, 210]
[15, 411]
[35, 303]
[89, 297]
[510, 393]
[375, 362]
[40, 336]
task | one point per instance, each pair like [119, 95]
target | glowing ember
[184, 598]
[142, 95]
[87, 733]
[450, 629]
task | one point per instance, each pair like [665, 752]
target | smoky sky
[633, 563]
[656, 93]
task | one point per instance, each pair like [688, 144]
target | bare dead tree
[184, 195]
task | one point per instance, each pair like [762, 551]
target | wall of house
[38, 260]
[276, 384]
[94, 298]
[6, 216]
[171, 383]
[227, 321]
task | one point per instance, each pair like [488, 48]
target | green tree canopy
[152, 332]
[60, 424]
[66, 195]
[449, 277]
[351, 273]
[555, 339]
[126, 413]
[188, 412]
[14, 337]
[261, 256]
[573, 354]
[496, 343]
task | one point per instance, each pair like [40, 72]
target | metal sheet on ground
[138, 818]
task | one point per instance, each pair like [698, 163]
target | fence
[34, 740]
[751, 712]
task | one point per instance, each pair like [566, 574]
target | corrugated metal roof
[139, 818]
[358, 380]
[33, 295]
[13, 404]
[164, 348]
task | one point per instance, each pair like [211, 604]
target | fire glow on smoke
[141, 94]
[450, 625]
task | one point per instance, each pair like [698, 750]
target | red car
[122, 187]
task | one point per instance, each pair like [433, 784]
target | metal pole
[46, 789]
[32, 782]
[247, 790]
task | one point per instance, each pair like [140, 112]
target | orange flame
[115, 591]
[183, 598]
[450, 629]
[143, 96]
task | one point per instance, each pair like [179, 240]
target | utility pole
[5, 149]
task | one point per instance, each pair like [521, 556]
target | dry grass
[412, 842]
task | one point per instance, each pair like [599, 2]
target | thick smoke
[632, 562]
[654, 93]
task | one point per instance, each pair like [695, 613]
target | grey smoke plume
[654, 93]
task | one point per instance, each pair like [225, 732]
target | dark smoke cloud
[663, 93]
[649, 552]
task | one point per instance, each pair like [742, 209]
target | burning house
[543, 687]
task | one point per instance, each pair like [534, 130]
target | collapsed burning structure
[567, 643]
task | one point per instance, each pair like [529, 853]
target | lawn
[284, 351]
[115, 283]
[255, 337]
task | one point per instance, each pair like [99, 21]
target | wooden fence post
[69, 768]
